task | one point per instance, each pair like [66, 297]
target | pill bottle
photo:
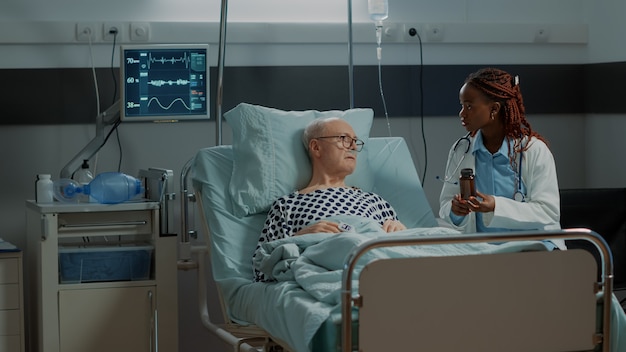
[467, 184]
[43, 189]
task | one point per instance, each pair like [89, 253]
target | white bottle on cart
[43, 189]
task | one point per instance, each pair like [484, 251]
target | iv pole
[350, 64]
[186, 196]
[220, 73]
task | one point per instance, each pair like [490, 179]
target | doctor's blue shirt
[494, 176]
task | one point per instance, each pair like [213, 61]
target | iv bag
[378, 9]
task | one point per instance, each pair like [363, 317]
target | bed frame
[242, 338]
[557, 292]
[560, 303]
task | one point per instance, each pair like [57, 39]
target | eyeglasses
[347, 142]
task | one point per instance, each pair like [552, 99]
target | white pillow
[270, 159]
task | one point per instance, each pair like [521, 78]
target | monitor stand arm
[105, 118]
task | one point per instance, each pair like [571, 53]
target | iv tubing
[382, 94]
[379, 56]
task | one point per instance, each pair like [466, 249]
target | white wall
[606, 39]
[604, 133]
[579, 143]
[492, 30]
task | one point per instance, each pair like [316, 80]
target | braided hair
[499, 86]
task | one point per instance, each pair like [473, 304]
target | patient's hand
[321, 226]
[393, 226]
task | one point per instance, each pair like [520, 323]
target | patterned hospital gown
[293, 212]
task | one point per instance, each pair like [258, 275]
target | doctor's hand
[486, 205]
[482, 203]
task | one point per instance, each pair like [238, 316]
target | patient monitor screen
[164, 82]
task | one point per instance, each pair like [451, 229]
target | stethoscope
[465, 139]
[519, 193]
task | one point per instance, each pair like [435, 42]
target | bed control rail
[185, 261]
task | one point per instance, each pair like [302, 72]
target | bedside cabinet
[11, 302]
[101, 278]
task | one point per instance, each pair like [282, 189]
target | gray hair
[315, 128]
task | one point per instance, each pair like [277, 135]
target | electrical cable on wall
[95, 84]
[113, 74]
[93, 71]
[117, 133]
[421, 100]
[97, 92]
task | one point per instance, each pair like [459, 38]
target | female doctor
[515, 174]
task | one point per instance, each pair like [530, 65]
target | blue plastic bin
[104, 263]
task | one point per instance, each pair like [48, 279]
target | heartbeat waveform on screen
[173, 60]
[160, 82]
[170, 105]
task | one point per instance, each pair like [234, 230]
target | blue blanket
[315, 261]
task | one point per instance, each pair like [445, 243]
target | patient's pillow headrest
[270, 159]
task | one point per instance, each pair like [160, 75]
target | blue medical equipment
[164, 82]
[106, 188]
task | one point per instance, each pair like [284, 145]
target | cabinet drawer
[9, 296]
[108, 319]
[104, 223]
[9, 323]
[9, 271]
[10, 343]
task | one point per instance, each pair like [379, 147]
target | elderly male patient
[332, 148]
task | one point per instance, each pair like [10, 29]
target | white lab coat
[540, 211]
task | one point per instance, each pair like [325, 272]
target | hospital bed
[449, 292]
